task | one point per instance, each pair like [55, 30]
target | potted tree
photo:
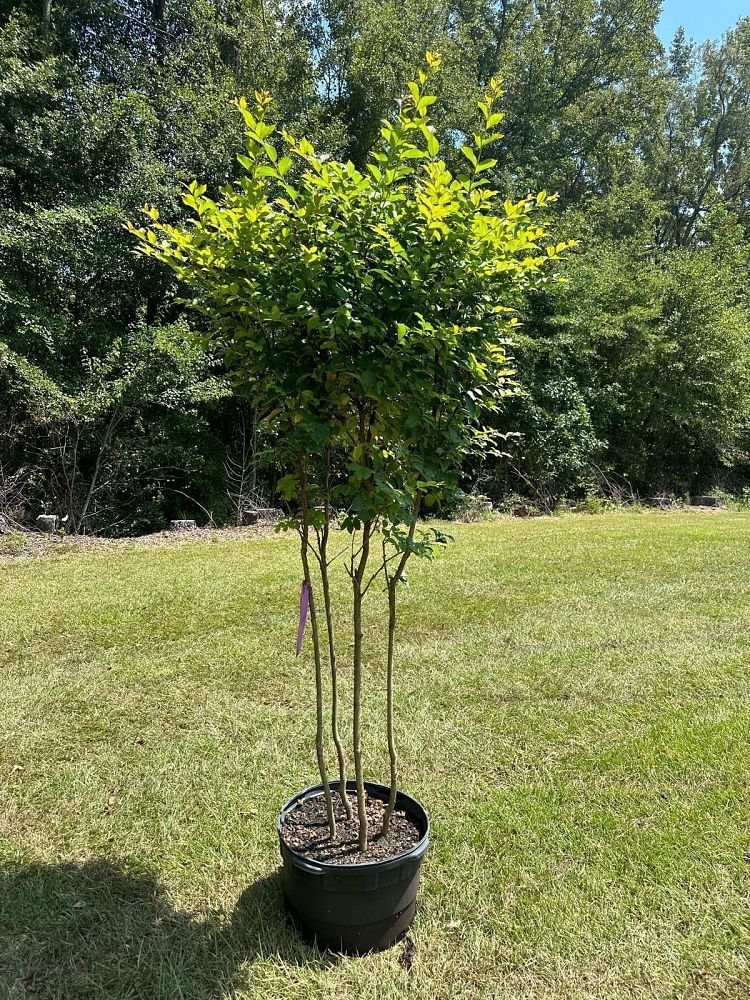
[368, 314]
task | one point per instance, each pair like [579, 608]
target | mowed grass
[572, 709]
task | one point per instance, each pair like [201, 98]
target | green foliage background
[634, 372]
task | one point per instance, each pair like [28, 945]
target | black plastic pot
[354, 908]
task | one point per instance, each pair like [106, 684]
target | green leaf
[287, 486]
[424, 102]
[433, 145]
[485, 165]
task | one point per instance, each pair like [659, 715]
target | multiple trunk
[360, 584]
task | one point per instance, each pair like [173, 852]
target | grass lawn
[573, 711]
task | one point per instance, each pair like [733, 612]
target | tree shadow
[107, 930]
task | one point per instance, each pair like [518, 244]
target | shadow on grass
[102, 929]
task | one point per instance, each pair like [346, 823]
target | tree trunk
[389, 707]
[46, 17]
[305, 542]
[79, 524]
[334, 669]
[357, 577]
[393, 583]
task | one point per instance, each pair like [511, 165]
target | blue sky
[701, 19]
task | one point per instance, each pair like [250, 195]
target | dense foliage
[633, 374]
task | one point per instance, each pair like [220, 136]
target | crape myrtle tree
[368, 314]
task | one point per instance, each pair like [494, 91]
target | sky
[701, 19]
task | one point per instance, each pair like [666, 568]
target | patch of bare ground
[22, 544]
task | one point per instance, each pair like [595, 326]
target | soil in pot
[305, 830]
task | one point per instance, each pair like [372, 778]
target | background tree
[110, 103]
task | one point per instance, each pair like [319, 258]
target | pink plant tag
[304, 607]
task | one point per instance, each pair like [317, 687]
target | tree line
[632, 371]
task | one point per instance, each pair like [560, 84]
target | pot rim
[411, 853]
